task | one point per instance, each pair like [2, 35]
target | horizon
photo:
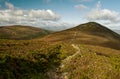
[52, 13]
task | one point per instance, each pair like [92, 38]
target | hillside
[94, 28]
[21, 32]
[76, 53]
[41, 60]
[90, 33]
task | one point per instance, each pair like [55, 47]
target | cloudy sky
[59, 13]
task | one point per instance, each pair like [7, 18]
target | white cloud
[9, 5]
[39, 18]
[13, 14]
[80, 6]
[53, 25]
[99, 14]
[18, 12]
[43, 15]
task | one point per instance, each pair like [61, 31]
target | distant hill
[90, 33]
[96, 29]
[21, 32]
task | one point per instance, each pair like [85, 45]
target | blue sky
[59, 13]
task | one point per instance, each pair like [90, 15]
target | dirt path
[78, 52]
[64, 75]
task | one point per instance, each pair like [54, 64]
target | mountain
[77, 53]
[94, 28]
[89, 33]
[21, 32]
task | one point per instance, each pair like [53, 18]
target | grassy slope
[93, 62]
[96, 29]
[90, 33]
[21, 32]
[36, 59]
[30, 59]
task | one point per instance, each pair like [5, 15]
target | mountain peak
[92, 27]
[97, 29]
[93, 23]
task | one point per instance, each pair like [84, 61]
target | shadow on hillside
[18, 68]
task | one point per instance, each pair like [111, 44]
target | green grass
[53, 56]
[30, 59]
[23, 59]
[91, 65]
[23, 62]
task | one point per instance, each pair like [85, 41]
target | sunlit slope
[36, 59]
[90, 33]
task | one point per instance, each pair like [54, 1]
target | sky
[60, 14]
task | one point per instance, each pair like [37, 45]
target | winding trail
[78, 52]
[64, 75]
